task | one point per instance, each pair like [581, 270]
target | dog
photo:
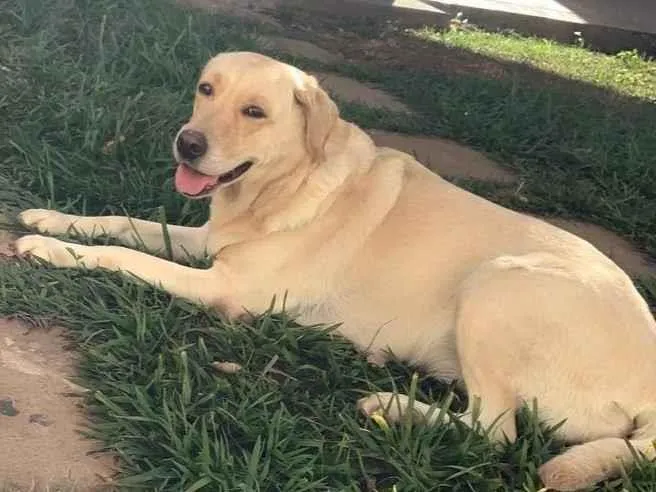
[305, 206]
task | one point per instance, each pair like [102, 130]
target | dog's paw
[52, 250]
[43, 220]
[564, 474]
[392, 405]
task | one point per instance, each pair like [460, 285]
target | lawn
[92, 93]
[626, 73]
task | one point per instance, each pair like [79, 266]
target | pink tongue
[192, 182]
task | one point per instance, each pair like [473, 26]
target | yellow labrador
[304, 204]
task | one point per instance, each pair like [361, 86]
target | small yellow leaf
[379, 418]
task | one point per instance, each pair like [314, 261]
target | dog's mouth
[195, 184]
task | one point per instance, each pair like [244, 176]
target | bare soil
[41, 414]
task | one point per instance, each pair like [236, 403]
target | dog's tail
[586, 464]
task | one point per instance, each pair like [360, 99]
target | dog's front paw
[43, 220]
[52, 250]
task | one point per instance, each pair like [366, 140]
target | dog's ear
[321, 115]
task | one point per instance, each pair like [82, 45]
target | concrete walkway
[630, 15]
[607, 25]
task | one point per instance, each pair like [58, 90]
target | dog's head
[253, 117]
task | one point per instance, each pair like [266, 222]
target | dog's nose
[191, 144]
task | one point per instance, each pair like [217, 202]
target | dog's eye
[253, 112]
[205, 89]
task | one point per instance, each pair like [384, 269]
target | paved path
[608, 25]
[630, 15]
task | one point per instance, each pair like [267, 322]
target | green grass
[625, 73]
[78, 74]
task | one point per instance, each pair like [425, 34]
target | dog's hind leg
[495, 416]
[396, 406]
[184, 241]
[548, 330]
[492, 416]
[480, 353]
[492, 403]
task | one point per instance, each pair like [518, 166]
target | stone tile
[352, 90]
[250, 10]
[620, 250]
[297, 47]
[445, 157]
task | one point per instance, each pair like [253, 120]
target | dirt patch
[40, 415]
[445, 157]
[250, 10]
[352, 90]
[345, 88]
[387, 43]
[234, 5]
[620, 250]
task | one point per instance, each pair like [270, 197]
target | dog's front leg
[178, 280]
[184, 241]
